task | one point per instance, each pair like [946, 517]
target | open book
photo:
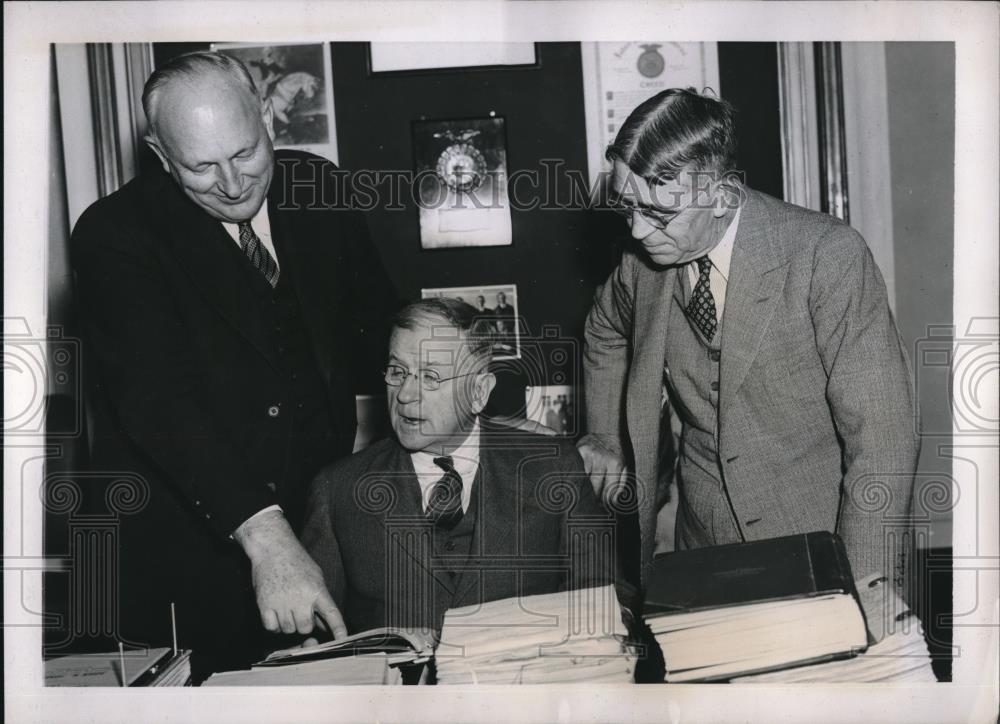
[412, 645]
[379, 657]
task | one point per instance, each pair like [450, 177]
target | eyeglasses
[429, 380]
[657, 218]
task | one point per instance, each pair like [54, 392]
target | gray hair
[189, 66]
[474, 325]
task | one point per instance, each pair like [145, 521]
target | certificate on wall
[461, 168]
[619, 76]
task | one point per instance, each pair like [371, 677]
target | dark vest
[304, 424]
[692, 376]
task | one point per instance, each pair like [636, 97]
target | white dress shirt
[721, 257]
[466, 462]
[261, 224]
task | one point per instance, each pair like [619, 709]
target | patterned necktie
[701, 306]
[444, 507]
[257, 253]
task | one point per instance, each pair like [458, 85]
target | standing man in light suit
[767, 328]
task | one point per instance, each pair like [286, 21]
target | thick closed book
[731, 610]
[794, 566]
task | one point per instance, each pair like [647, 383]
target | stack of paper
[899, 656]
[564, 637]
[745, 608]
[367, 669]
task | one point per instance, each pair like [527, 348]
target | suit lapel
[303, 251]
[201, 247]
[757, 277]
[653, 307]
[498, 506]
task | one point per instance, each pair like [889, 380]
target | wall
[921, 101]
[558, 256]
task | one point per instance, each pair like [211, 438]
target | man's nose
[409, 391]
[229, 181]
[640, 227]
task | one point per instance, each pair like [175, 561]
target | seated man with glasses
[451, 510]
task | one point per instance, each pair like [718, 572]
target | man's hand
[288, 583]
[604, 465]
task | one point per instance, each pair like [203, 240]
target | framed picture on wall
[461, 180]
[553, 406]
[496, 303]
[296, 78]
[403, 57]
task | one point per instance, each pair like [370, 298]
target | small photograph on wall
[461, 179]
[296, 79]
[498, 305]
[553, 406]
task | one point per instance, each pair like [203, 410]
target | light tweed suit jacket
[817, 419]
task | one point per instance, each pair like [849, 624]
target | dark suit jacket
[183, 379]
[539, 528]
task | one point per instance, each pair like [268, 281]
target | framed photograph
[498, 304]
[461, 179]
[385, 58]
[296, 78]
[553, 406]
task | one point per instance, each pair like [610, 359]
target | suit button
[449, 546]
[715, 386]
[715, 355]
[272, 487]
[273, 411]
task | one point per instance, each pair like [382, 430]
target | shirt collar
[260, 222]
[465, 458]
[722, 255]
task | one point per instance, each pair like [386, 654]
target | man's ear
[154, 144]
[267, 115]
[729, 196]
[481, 390]
[722, 200]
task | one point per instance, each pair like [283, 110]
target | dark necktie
[701, 306]
[257, 253]
[444, 506]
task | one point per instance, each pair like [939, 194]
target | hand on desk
[604, 465]
[288, 583]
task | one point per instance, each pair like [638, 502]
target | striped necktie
[444, 506]
[257, 253]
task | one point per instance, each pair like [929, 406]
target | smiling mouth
[407, 420]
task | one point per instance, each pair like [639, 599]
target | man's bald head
[192, 68]
[212, 134]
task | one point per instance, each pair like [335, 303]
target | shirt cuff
[259, 513]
